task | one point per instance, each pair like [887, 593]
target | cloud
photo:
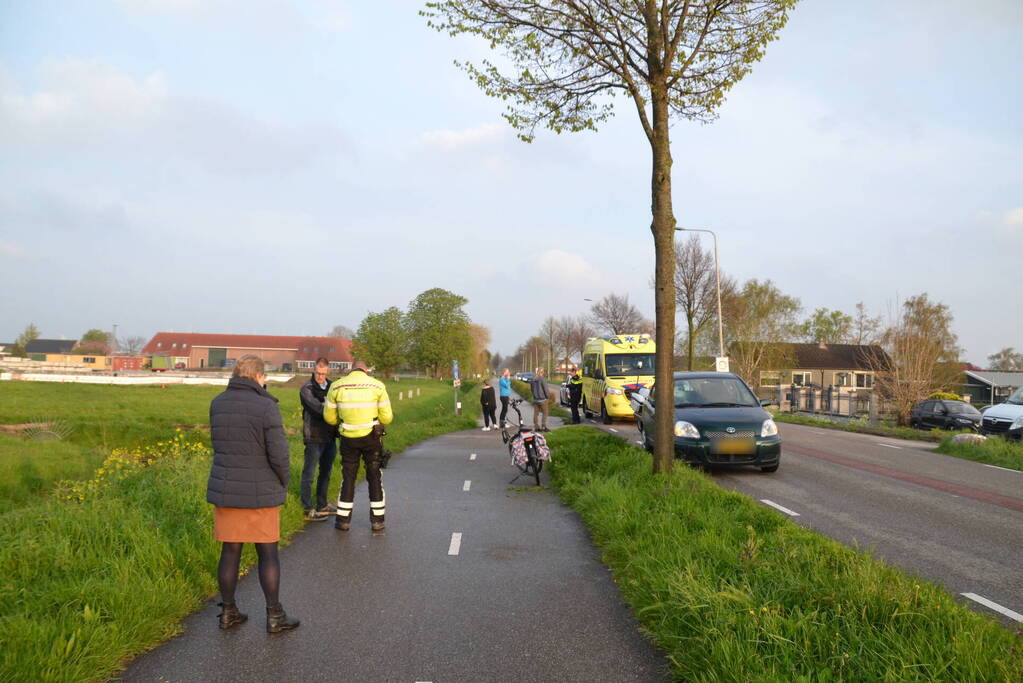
[7, 249]
[467, 137]
[568, 269]
[1013, 219]
[88, 108]
[266, 16]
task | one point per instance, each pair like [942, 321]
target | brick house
[198, 351]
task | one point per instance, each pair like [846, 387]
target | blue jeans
[321, 454]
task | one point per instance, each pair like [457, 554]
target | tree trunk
[663, 228]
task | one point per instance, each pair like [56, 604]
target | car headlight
[687, 430]
[615, 391]
[1017, 423]
[964, 419]
[769, 428]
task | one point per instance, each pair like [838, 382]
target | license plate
[733, 447]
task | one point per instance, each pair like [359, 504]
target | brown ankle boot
[230, 616]
[277, 620]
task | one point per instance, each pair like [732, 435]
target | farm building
[199, 350]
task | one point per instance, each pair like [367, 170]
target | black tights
[269, 571]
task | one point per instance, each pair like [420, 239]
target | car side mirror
[764, 402]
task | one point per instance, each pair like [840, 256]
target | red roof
[307, 348]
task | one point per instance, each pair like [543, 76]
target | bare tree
[1006, 360]
[132, 345]
[696, 288]
[341, 332]
[865, 329]
[918, 355]
[670, 58]
[615, 315]
[550, 333]
[760, 321]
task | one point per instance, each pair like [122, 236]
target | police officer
[359, 403]
[575, 394]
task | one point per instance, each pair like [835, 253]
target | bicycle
[528, 449]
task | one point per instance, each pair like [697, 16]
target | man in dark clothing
[318, 437]
[575, 394]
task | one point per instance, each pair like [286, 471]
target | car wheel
[770, 468]
[604, 417]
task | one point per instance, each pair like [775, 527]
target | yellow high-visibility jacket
[357, 402]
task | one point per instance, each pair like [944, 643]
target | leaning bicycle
[527, 448]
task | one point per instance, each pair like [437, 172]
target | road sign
[457, 383]
[721, 363]
[454, 369]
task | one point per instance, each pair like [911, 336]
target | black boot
[277, 620]
[342, 523]
[229, 615]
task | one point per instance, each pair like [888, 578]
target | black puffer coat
[314, 428]
[250, 450]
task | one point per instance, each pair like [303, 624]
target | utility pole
[722, 359]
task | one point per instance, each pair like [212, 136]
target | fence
[831, 400]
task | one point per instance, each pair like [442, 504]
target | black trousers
[367, 449]
[574, 404]
[489, 417]
[504, 408]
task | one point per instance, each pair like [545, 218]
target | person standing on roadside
[538, 387]
[248, 484]
[575, 394]
[504, 390]
[488, 402]
[359, 403]
[318, 437]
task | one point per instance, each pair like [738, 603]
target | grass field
[862, 427]
[994, 451]
[732, 591]
[107, 543]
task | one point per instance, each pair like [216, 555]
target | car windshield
[629, 363]
[1017, 397]
[962, 409]
[713, 392]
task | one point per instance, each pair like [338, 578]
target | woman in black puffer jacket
[248, 484]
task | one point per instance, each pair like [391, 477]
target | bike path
[525, 598]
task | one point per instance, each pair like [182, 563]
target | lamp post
[717, 282]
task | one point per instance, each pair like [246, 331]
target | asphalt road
[520, 595]
[952, 521]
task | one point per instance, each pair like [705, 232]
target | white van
[1005, 419]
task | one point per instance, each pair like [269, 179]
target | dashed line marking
[888, 445]
[466, 485]
[1001, 468]
[780, 508]
[612, 429]
[995, 606]
[472, 456]
[456, 544]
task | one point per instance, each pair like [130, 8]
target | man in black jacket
[320, 446]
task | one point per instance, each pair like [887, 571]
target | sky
[283, 167]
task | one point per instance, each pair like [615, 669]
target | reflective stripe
[378, 512]
[345, 425]
[328, 404]
[384, 403]
[377, 504]
[353, 404]
[344, 505]
[343, 514]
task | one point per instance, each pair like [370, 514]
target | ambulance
[613, 367]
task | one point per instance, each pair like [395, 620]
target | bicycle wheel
[534, 465]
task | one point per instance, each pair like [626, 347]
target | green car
[718, 421]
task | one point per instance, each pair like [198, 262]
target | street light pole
[717, 281]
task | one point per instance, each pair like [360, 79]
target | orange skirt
[247, 525]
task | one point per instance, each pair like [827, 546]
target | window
[864, 380]
[939, 408]
[770, 379]
[88, 359]
[306, 364]
[800, 379]
[842, 379]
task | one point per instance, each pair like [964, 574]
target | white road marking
[472, 456]
[466, 485]
[1001, 468]
[612, 429]
[456, 544]
[995, 606]
[788, 512]
[888, 445]
[819, 431]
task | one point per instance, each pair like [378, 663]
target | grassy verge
[102, 568]
[994, 451]
[862, 427]
[554, 407]
[733, 591]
